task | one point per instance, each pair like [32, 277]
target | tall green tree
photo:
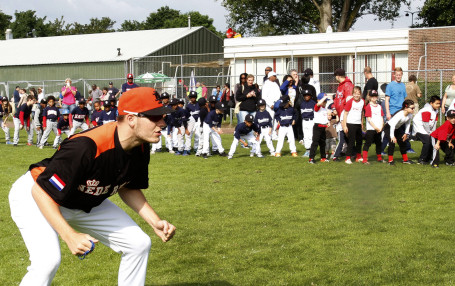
[279, 17]
[5, 21]
[27, 24]
[436, 13]
[103, 25]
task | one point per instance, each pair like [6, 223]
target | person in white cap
[271, 93]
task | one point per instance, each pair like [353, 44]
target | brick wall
[440, 56]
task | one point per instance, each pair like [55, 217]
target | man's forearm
[136, 200]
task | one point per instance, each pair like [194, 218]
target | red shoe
[29, 144]
[324, 160]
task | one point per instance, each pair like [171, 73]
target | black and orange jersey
[91, 166]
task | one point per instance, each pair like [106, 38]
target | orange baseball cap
[142, 100]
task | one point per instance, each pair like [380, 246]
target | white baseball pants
[68, 134]
[17, 124]
[274, 124]
[6, 130]
[268, 139]
[177, 139]
[78, 124]
[50, 126]
[251, 141]
[307, 127]
[210, 133]
[106, 222]
[193, 127]
[167, 140]
[283, 132]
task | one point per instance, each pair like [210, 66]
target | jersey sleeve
[237, 132]
[426, 116]
[348, 105]
[368, 111]
[316, 107]
[69, 164]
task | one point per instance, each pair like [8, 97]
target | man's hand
[451, 145]
[245, 144]
[388, 116]
[38, 128]
[78, 243]
[219, 131]
[164, 230]
[27, 128]
[394, 140]
[436, 146]
[21, 127]
[345, 129]
[378, 130]
[293, 122]
[405, 136]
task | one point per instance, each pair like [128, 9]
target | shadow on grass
[211, 283]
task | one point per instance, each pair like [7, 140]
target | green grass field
[270, 221]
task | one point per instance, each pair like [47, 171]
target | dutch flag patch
[57, 182]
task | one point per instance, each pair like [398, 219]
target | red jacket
[344, 90]
[445, 132]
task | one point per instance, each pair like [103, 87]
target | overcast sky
[119, 10]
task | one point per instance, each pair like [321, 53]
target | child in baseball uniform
[264, 120]
[156, 147]
[353, 125]
[424, 123]
[38, 120]
[192, 109]
[244, 134]
[442, 139]
[6, 109]
[375, 122]
[51, 114]
[285, 116]
[331, 134]
[177, 126]
[212, 128]
[107, 115]
[63, 126]
[203, 111]
[96, 113]
[307, 111]
[79, 117]
[321, 122]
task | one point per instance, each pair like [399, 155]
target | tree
[26, 25]
[278, 17]
[437, 13]
[103, 25]
[5, 21]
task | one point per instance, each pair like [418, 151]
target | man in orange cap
[66, 195]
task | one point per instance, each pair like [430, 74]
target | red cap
[142, 100]
[130, 75]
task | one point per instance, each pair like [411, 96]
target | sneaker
[152, 152]
[272, 154]
[204, 156]
[366, 163]
[54, 147]
[325, 160]
[311, 161]
[251, 154]
[185, 153]
[301, 142]
[41, 146]
[197, 154]
[9, 143]
[294, 154]
[335, 159]
[391, 163]
[223, 154]
[450, 164]
[29, 144]
[277, 155]
[410, 162]
[15, 145]
[307, 154]
[177, 153]
[359, 160]
[384, 154]
[411, 151]
[158, 150]
[260, 155]
[435, 166]
[171, 152]
[348, 161]
[229, 157]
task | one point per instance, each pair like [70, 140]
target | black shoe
[223, 154]
[15, 145]
[204, 156]
[410, 162]
[391, 163]
[158, 150]
[311, 161]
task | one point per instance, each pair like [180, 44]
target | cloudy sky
[119, 10]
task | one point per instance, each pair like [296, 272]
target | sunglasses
[243, 78]
[268, 70]
[154, 118]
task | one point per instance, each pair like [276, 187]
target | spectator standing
[267, 76]
[227, 99]
[129, 84]
[413, 92]
[370, 85]
[199, 90]
[312, 81]
[5, 112]
[17, 96]
[344, 89]
[105, 95]
[204, 90]
[96, 93]
[302, 88]
[79, 118]
[51, 115]
[270, 94]
[113, 91]
[238, 89]
[248, 98]
[218, 93]
[40, 94]
[38, 120]
[449, 95]
[68, 95]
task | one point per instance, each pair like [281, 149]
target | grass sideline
[270, 221]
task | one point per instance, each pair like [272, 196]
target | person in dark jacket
[248, 98]
[302, 88]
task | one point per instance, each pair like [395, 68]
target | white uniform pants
[200, 130]
[17, 123]
[192, 128]
[167, 140]
[177, 139]
[210, 133]
[250, 139]
[78, 124]
[307, 127]
[286, 131]
[274, 124]
[106, 222]
[58, 138]
[6, 130]
[268, 139]
[50, 126]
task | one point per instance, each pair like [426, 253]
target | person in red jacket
[442, 140]
[344, 89]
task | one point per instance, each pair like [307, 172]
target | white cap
[272, 73]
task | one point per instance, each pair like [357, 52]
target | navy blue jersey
[193, 110]
[176, 119]
[1, 111]
[112, 91]
[63, 124]
[107, 117]
[307, 109]
[242, 129]
[96, 116]
[213, 119]
[126, 86]
[52, 113]
[167, 117]
[285, 116]
[79, 114]
[78, 95]
[27, 110]
[263, 119]
[203, 114]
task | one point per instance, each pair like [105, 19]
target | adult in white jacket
[424, 123]
[271, 93]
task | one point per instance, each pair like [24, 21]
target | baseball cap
[451, 113]
[106, 103]
[261, 102]
[308, 72]
[192, 94]
[43, 101]
[64, 111]
[374, 92]
[220, 106]
[164, 95]
[249, 118]
[202, 101]
[181, 101]
[130, 75]
[173, 101]
[321, 95]
[339, 72]
[272, 73]
[141, 100]
[82, 101]
[285, 98]
[306, 92]
[111, 83]
[213, 99]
